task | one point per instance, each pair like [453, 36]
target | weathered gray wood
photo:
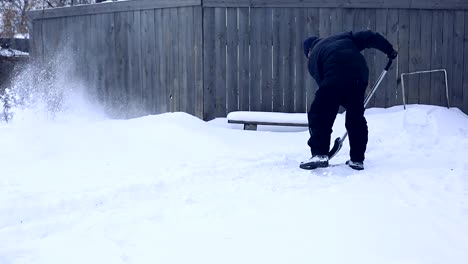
[182, 45]
[164, 89]
[403, 46]
[380, 59]
[393, 94]
[300, 61]
[232, 70]
[120, 100]
[266, 84]
[120, 6]
[312, 29]
[414, 4]
[36, 41]
[458, 71]
[414, 57]
[286, 73]
[220, 56]
[244, 69]
[465, 76]
[150, 59]
[437, 79]
[277, 90]
[198, 59]
[426, 46]
[256, 19]
[336, 19]
[448, 48]
[173, 54]
[134, 78]
[325, 22]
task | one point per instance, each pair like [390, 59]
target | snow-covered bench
[250, 119]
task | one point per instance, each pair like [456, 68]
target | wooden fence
[211, 57]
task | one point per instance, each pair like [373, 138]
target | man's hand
[392, 55]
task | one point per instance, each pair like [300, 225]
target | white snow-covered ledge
[250, 119]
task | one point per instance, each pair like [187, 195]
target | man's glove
[392, 55]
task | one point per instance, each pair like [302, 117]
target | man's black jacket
[337, 59]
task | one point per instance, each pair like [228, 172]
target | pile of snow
[171, 188]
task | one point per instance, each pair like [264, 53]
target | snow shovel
[339, 141]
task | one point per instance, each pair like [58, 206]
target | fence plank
[198, 55]
[336, 20]
[437, 79]
[148, 73]
[244, 65]
[285, 55]
[232, 65]
[209, 97]
[381, 60]
[134, 78]
[110, 7]
[414, 56]
[448, 49]
[403, 47]
[325, 22]
[220, 57]
[457, 81]
[465, 76]
[266, 60]
[300, 61]
[313, 18]
[277, 92]
[183, 41]
[255, 60]
[426, 46]
[393, 95]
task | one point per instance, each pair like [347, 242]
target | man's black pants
[323, 111]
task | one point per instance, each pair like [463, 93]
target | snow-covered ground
[172, 188]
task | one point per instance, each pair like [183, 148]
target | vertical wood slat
[403, 48]
[437, 79]
[148, 64]
[380, 59]
[458, 36]
[448, 52]
[465, 68]
[393, 94]
[300, 88]
[232, 69]
[134, 85]
[198, 55]
[220, 57]
[414, 57]
[277, 91]
[244, 65]
[266, 60]
[313, 18]
[255, 60]
[160, 93]
[285, 76]
[209, 96]
[426, 47]
[185, 100]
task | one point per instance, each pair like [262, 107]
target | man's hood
[309, 44]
